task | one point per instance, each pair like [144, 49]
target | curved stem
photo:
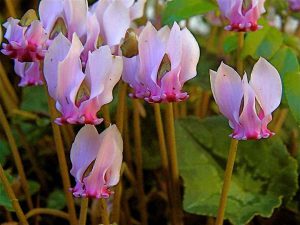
[239, 63]
[62, 162]
[121, 106]
[83, 211]
[227, 181]
[173, 162]
[8, 86]
[106, 115]
[104, 212]
[11, 9]
[12, 197]
[16, 156]
[47, 211]
[139, 161]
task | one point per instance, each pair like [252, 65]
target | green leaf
[285, 60]
[264, 172]
[56, 200]
[230, 43]
[262, 43]
[4, 151]
[178, 10]
[4, 199]
[34, 99]
[291, 83]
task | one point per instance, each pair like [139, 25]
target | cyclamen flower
[72, 13]
[242, 14]
[257, 99]
[105, 150]
[115, 17]
[79, 96]
[167, 59]
[294, 5]
[26, 44]
[29, 72]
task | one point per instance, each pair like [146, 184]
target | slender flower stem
[139, 161]
[104, 212]
[280, 119]
[173, 164]
[126, 137]
[47, 211]
[106, 115]
[8, 104]
[239, 63]
[121, 106]
[62, 162]
[16, 156]
[227, 180]
[8, 86]
[205, 100]
[83, 211]
[10, 7]
[164, 157]
[12, 197]
[115, 215]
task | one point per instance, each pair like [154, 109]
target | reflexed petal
[106, 170]
[116, 21]
[266, 83]
[49, 11]
[14, 32]
[174, 44]
[56, 53]
[29, 73]
[190, 56]
[70, 75]
[137, 10]
[76, 14]
[93, 31]
[228, 92]
[36, 34]
[84, 150]
[151, 52]
[248, 118]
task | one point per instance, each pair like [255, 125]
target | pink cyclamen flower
[167, 59]
[256, 100]
[79, 96]
[29, 72]
[72, 12]
[242, 14]
[26, 44]
[105, 150]
[294, 5]
[115, 17]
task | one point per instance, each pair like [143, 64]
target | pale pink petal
[14, 32]
[266, 83]
[84, 150]
[93, 31]
[70, 76]
[228, 92]
[106, 170]
[49, 11]
[76, 14]
[35, 34]
[174, 49]
[56, 53]
[116, 21]
[29, 72]
[151, 52]
[190, 56]
[248, 119]
[137, 9]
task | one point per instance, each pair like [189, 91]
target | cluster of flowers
[81, 52]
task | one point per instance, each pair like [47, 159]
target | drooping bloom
[78, 95]
[256, 99]
[105, 150]
[69, 13]
[242, 14]
[26, 44]
[294, 5]
[167, 59]
[115, 17]
[29, 72]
